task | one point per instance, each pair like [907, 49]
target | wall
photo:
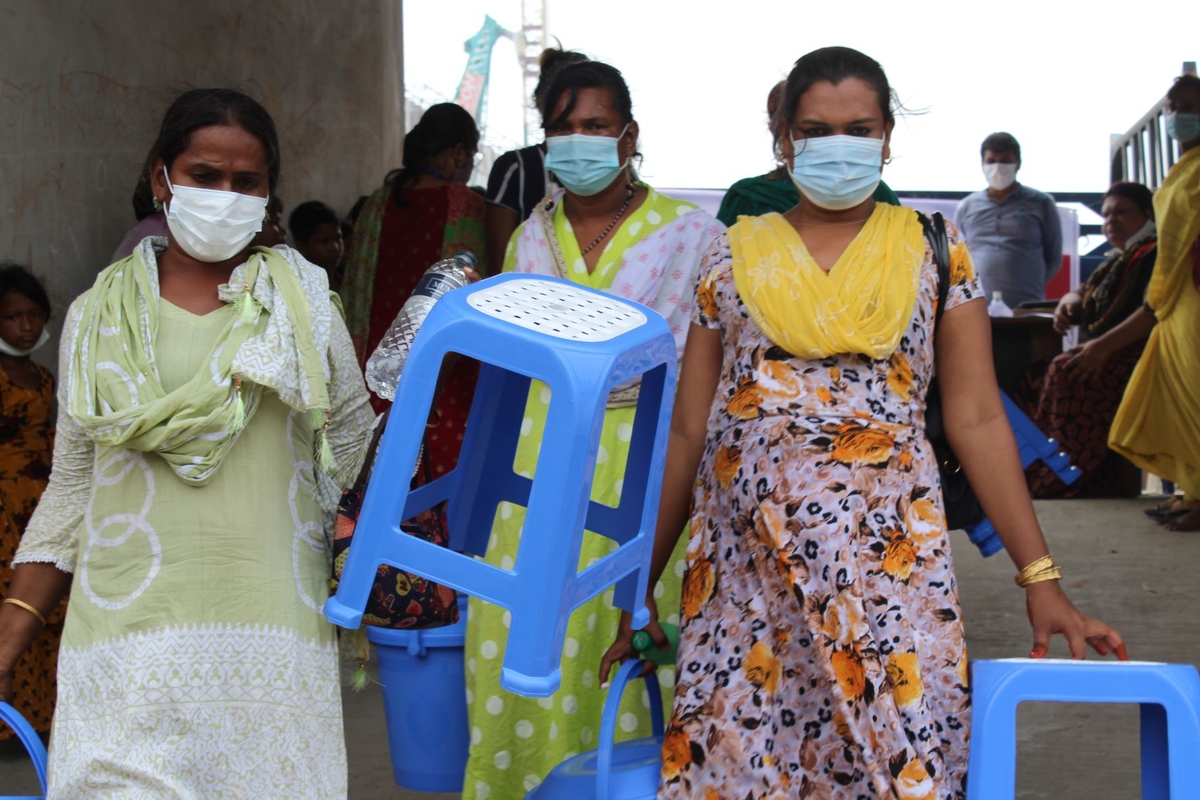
[83, 86]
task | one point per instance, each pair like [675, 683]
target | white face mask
[212, 225]
[9, 350]
[1000, 176]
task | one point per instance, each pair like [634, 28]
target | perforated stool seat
[1169, 696]
[626, 771]
[1032, 445]
[583, 344]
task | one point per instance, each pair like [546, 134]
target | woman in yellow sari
[1158, 424]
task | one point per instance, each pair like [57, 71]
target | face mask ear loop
[170, 188]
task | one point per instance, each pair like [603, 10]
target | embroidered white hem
[199, 711]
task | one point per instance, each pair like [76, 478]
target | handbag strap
[939, 243]
[364, 474]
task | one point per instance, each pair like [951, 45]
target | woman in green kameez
[211, 408]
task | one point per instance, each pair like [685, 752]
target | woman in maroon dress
[423, 213]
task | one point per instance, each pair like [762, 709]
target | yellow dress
[1158, 424]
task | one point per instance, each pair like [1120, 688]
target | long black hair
[15, 278]
[586, 75]
[833, 65]
[552, 61]
[442, 126]
[574, 78]
[202, 108]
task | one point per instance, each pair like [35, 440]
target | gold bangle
[22, 604]
[1039, 571]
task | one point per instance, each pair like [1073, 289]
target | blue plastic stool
[1036, 446]
[425, 703]
[626, 771]
[1169, 695]
[583, 344]
[33, 744]
[1033, 445]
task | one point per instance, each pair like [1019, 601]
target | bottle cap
[467, 259]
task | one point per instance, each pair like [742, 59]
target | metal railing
[1144, 153]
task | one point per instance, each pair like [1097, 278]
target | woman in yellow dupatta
[1158, 424]
[822, 646]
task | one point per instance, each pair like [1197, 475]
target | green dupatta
[277, 339]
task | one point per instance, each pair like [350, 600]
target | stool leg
[486, 464]
[548, 555]
[992, 764]
[639, 494]
[1156, 779]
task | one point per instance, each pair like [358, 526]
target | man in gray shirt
[1013, 231]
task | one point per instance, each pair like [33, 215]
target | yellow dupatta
[862, 305]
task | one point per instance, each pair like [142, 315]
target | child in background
[317, 233]
[26, 442]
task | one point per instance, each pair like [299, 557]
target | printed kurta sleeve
[964, 283]
[52, 535]
[716, 259]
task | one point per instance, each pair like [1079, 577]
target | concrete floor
[1119, 566]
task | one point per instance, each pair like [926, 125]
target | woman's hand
[472, 275]
[1068, 312]
[621, 650]
[1051, 612]
[1088, 360]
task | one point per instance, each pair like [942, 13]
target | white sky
[1059, 76]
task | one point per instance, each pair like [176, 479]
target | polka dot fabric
[516, 741]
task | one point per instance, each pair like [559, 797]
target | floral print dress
[822, 651]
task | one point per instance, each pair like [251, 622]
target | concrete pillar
[83, 86]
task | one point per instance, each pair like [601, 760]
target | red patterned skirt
[1079, 415]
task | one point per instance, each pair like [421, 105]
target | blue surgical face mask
[1183, 127]
[837, 172]
[585, 165]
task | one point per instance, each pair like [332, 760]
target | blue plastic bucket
[425, 703]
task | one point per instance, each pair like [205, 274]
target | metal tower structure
[529, 49]
[472, 90]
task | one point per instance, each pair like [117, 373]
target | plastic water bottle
[385, 364]
[999, 308]
[648, 650]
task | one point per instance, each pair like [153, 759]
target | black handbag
[962, 506]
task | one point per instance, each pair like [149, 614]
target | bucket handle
[608, 722]
[29, 738]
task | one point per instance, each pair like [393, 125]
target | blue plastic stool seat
[425, 703]
[33, 745]
[583, 344]
[1032, 445]
[1169, 696]
[626, 771]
